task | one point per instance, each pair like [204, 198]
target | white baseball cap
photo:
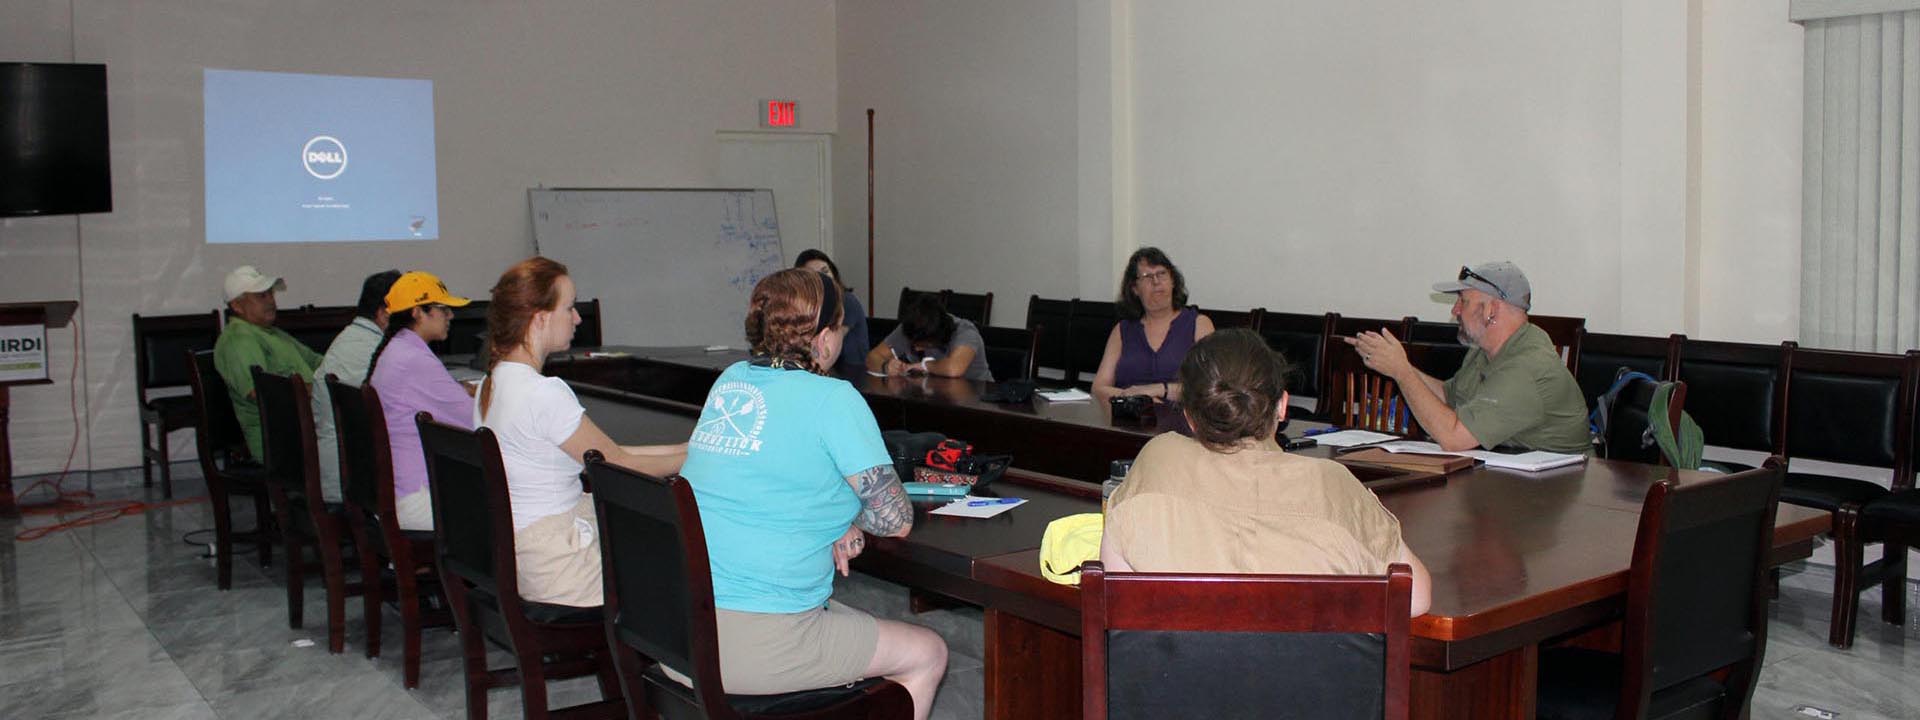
[245, 279]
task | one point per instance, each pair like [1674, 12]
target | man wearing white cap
[250, 340]
[1513, 389]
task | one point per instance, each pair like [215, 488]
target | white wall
[583, 94]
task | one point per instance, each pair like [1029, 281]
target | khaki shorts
[415, 511]
[559, 558]
[769, 654]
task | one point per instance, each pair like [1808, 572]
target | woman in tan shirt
[1229, 500]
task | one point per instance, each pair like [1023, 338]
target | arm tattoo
[885, 510]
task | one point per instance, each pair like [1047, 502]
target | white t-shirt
[531, 415]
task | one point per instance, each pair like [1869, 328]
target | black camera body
[1131, 408]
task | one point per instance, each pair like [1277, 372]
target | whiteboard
[670, 267]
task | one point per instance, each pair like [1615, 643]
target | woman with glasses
[411, 379]
[1156, 329]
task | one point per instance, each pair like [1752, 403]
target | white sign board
[23, 352]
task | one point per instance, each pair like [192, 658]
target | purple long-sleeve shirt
[411, 379]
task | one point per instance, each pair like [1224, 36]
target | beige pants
[559, 557]
[415, 511]
[769, 654]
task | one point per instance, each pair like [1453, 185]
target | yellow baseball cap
[416, 288]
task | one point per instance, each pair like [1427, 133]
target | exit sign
[779, 113]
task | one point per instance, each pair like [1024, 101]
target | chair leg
[263, 528]
[608, 674]
[333, 572]
[1846, 576]
[146, 442]
[629, 664]
[473, 648]
[296, 583]
[222, 538]
[1893, 589]
[166, 465]
[371, 589]
[407, 587]
[533, 682]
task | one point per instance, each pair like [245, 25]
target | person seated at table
[1513, 390]
[347, 358]
[1230, 500]
[250, 341]
[411, 379]
[851, 364]
[789, 470]
[545, 434]
[931, 341]
[1155, 330]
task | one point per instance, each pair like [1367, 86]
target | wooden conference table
[1516, 558]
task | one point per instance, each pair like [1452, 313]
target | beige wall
[580, 93]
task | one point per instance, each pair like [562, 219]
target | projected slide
[319, 158]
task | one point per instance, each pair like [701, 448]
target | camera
[1134, 408]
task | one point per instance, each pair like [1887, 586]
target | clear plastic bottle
[1116, 474]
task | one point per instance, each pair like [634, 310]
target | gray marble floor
[120, 620]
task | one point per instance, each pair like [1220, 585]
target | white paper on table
[960, 508]
[1346, 438]
[1533, 461]
[1067, 395]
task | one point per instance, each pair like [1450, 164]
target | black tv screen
[53, 139]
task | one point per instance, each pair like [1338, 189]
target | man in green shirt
[1513, 389]
[250, 340]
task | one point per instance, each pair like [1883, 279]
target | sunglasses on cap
[1466, 273]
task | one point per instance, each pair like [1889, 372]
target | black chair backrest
[1429, 331]
[878, 328]
[1851, 407]
[1300, 339]
[587, 334]
[1048, 319]
[471, 513]
[315, 326]
[161, 344]
[1160, 645]
[464, 332]
[366, 463]
[286, 432]
[1349, 326]
[1629, 417]
[1738, 392]
[1696, 593]
[217, 432]
[907, 294]
[1603, 354]
[969, 306]
[654, 571]
[1009, 352]
[1225, 319]
[1087, 332]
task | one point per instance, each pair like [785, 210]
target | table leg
[1032, 671]
[7, 508]
[1502, 686]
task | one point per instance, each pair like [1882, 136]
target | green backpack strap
[1681, 452]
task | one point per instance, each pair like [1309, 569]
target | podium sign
[23, 353]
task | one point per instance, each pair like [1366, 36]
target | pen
[1320, 431]
[995, 501]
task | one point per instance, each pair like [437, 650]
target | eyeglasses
[1156, 277]
[1466, 273]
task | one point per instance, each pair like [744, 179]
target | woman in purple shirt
[1155, 331]
[411, 379]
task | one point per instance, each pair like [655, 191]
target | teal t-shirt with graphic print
[768, 462]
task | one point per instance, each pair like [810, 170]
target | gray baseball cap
[1499, 278]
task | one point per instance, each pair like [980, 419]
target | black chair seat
[1899, 507]
[542, 613]
[1825, 492]
[1582, 684]
[793, 703]
[173, 410]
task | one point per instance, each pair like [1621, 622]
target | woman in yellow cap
[411, 379]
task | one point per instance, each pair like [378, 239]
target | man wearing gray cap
[250, 340]
[1513, 389]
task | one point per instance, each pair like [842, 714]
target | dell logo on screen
[324, 157]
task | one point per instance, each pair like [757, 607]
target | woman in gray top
[932, 342]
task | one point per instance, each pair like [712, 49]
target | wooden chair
[659, 589]
[1854, 408]
[969, 306]
[1628, 420]
[1445, 354]
[1739, 393]
[587, 333]
[226, 467]
[1158, 645]
[1565, 333]
[1092, 321]
[878, 328]
[305, 518]
[1357, 397]
[1893, 520]
[464, 331]
[1696, 619]
[907, 294]
[1010, 352]
[316, 326]
[473, 547]
[160, 344]
[1302, 340]
[366, 483]
[1048, 321]
[1602, 355]
[1224, 319]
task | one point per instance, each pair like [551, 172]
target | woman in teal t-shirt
[789, 470]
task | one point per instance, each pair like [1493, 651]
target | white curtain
[1860, 255]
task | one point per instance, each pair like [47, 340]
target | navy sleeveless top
[1141, 364]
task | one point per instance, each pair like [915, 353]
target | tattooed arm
[885, 510]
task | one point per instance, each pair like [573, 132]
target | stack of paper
[978, 507]
[1066, 395]
[1534, 461]
[1349, 438]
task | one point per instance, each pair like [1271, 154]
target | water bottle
[1116, 474]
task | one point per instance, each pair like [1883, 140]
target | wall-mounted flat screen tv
[53, 139]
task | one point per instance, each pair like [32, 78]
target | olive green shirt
[244, 346]
[1523, 397]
